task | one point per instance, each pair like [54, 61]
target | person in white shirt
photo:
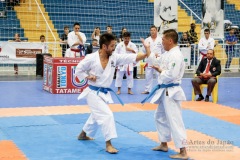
[168, 94]
[125, 47]
[98, 68]
[204, 44]
[96, 34]
[44, 45]
[156, 48]
[76, 41]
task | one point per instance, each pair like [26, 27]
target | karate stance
[125, 47]
[168, 95]
[99, 69]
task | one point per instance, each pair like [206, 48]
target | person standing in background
[63, 40]
[231, 40]
[76, 41]
[125, 47]
[156, 49]
[96, 34]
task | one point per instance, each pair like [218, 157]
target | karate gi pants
[169, 122]
[101, 116]
[149, 74]
[119, 79]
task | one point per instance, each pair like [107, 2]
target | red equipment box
[58, 76]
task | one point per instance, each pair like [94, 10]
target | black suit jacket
[215, 67]
[89, 49]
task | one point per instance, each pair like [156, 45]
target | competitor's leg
[174, 116]
[163, 129]
[103, 117]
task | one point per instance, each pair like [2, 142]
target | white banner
[165, 15]
[213, 18]
[186, 51]
[20, 52]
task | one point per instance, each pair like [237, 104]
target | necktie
[208, 66]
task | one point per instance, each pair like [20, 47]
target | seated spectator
[96, 34]
[192, 34]
[185, 40]
[92, 47]
[207, 71]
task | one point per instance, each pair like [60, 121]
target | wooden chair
[214, 92]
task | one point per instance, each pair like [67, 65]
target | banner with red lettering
[20, 52]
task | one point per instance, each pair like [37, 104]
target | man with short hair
[92, 46]
[63, 40]
[76, 41]
[207, 71]
[231, 40]
[168, 94]
[125, 47]
[156, 48]
[205, 43]
[98, 68]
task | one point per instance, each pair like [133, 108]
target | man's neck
[103, 54]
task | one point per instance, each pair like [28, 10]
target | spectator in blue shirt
[231, 40]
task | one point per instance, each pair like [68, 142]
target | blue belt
[105, 90]
[156, 88]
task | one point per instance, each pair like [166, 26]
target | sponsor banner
[186, 51]
[59, 78]
[20, 52]
[213, 18]
[165, 15]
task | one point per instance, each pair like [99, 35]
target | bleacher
[136, 16]
[9, 25]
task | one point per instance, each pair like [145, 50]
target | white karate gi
[72, 38]
[155, 48]
[101, 115]
[127, 68]
[204, 45]
[168, 116]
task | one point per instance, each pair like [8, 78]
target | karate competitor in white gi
[125, 47]
[99, 69]
[168, 95]
[156, 48]
[204, 44]
[75, 39]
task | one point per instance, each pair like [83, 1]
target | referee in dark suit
[207, 71]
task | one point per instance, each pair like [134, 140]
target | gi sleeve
[84, 66]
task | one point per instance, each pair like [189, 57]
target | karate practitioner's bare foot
[130, 92]
[181, 155]
[119, 90]
[162, 147]
[110, 149]
[83, 136]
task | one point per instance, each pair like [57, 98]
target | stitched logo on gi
[62, 77]
[75, 81]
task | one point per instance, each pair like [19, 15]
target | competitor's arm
[141, 56]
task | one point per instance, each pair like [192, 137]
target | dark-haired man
[207, 71]
[98, 68]
[125, 47]
[76, 41]
[168, 94]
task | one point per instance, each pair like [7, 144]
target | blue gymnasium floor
[54, 137]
